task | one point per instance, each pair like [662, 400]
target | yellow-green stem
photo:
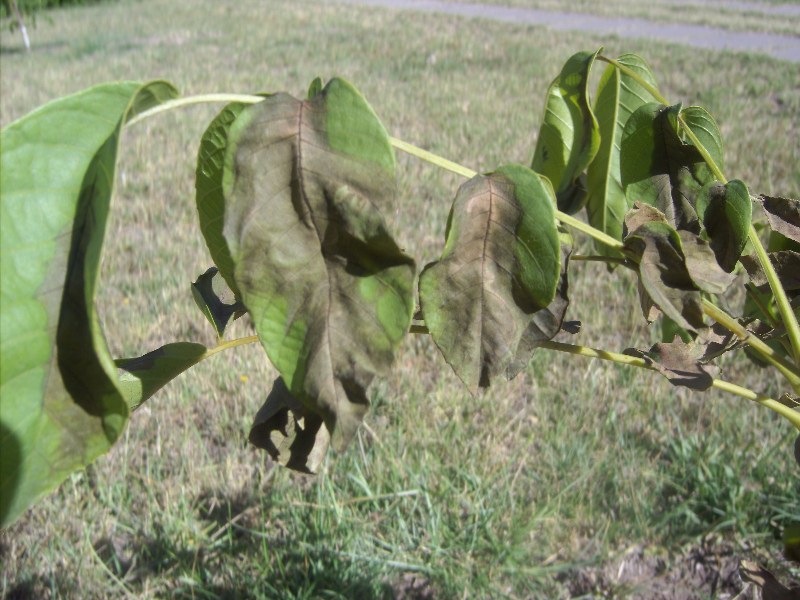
[792, 415]
[432, 158]
[784, 306]
[191, 100]
[449, 165]
[787, 369]
[222, 346]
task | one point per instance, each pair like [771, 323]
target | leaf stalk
[458, 169]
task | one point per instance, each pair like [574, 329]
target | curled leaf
[306, 186]
[783, 215]
[707, 132]
[209, 196]
[726, 214]
[568, 137]
[143, 376]
[61, 403]
[663, 276]
[618, 95]
[679, 362]
[500, 266]
[548, 321]
[216, 300]
[292, 435]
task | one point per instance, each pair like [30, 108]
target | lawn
[576, 478]
[754, 15]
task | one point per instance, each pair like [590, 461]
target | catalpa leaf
[306, 185]
[568, 137]
[657, 168]
[726, 213]
[209, 197]
[216, 300]
[143, 376]
[61, 405]
[678, 361]
[618, 95]
[656, 247]
[500, 266]
[783, 215]
[292, 435]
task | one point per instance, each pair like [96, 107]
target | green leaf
[549, 321]
[618, 95]
[705, 128]
[209, 197]
[291, 434]
[141, 377]
[500, 266]
[657, 168]
[568, 137]
[726, 212]
[216, 300]
[315, 88]
[61, 406]
[330, 293]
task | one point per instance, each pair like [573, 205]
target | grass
[759, 15]
[539, 488]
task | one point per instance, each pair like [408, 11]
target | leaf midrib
[304, 197]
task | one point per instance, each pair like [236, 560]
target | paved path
[784, 47]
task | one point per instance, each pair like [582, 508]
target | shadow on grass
[254, 547]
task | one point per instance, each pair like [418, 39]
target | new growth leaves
[569, 137]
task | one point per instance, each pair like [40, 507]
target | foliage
[292, 196]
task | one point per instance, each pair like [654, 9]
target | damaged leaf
[783, 215]
[500, 266]
[663, 275]
[787, 266]
[216, 300]
[678, 361]
[306, 186]
[292, 435]
[726, 213]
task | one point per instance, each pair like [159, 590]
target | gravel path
[784, 47]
